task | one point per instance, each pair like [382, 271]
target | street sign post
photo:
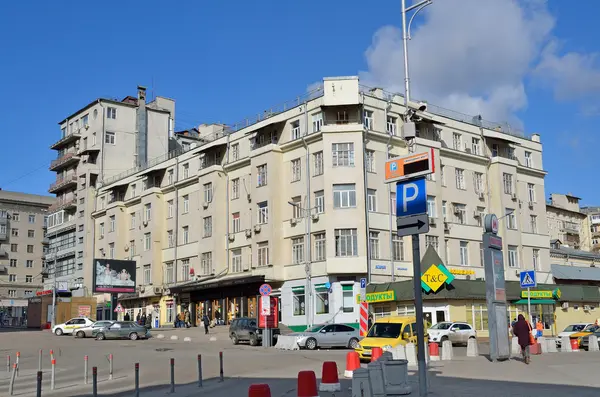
[363, 289]
[412, 219]
[528, 281]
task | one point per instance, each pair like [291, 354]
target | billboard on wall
[114, 276]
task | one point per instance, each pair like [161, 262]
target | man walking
[206, 323]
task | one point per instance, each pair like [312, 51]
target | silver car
[328, 335]
[455, 332]
[86, 332]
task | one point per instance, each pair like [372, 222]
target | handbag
[531, 337]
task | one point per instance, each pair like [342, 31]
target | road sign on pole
[528, 279]
[411, 197]
[265, 290]
[411, 225]
[363, 289]
[410, 167]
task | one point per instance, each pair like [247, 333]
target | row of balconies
[64, 161]
[63, 205]
[68, 138]
[63, 183]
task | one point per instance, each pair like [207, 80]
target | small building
[39, 308]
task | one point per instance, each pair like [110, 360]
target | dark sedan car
[585, 341]
[121, 330]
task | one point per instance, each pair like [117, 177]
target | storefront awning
[216, 283]
[562, 272]
[536, 302]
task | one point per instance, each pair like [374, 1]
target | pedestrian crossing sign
[119, 309]
[528, 279]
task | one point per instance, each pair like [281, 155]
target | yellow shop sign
[541, 294]
[375, 297]
[462, 272]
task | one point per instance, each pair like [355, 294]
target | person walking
[206, 323]
[126, 318]
[522, 330]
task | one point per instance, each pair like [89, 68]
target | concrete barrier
[515, 348]
[550, 346]
[447, 351]
[286, 342]
[593, 344]
[399, 352]
[411, 354]
[472, 348]
[565, 344]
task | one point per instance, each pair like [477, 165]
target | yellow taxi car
[590, 329]
[387, 333]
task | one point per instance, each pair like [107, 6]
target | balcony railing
[62, 182]
[66, 139]
[61, 204]
[67, 157]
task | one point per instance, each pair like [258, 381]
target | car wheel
[353, 344]
[133, 336]
[234, 339]
[80, 334]
[253, 340]
[58, 332]
[443, 339]
[311, 344]
[100, 336]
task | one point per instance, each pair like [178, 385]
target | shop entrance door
[434, 315]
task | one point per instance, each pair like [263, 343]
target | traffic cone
[330, 381]
[259, 390]
[352, 363]
[307, 384]
[434, 351]
[376, 352]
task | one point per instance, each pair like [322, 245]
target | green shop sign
[555, 294]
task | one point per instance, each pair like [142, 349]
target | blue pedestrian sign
[363, 283]
[528, 279]
[411, 197]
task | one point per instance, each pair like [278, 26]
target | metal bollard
[8, 363]
[94, 381]
[11, 385]
[39, 384]
[85, 370]
[137, 379]
[17, 362]
[110, 366]
[40, 360]
[51, 354]
[221, 367]
[52, 375]
[172, 375]
[199, 370]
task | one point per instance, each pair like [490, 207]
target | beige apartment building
[23, 243]
[98, 142]
[590, 229]
[566, 221]
[296, 198]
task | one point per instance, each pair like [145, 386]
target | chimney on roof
[141, 94]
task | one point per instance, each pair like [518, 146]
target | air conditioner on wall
[565, 305]
[293, 221]
[248, 233]
[432, 221]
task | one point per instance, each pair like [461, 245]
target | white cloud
[468, 55]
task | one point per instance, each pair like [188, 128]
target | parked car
[387, 333]
[572, 329]
[245, 329]
[455, 332]
[328, 335]
[578, 336]
[70, 326]
[585, 341]
[121, 330]
[86, 332]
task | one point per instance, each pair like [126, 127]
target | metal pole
[405, 47]
[221, 367]
[39, 384]
[199, 370]
[40, 361]
[529, 306]
[137, 379]
[172, 375]
[419, 314]
[85, 370]
[8, 363]
[95, 381]
[11, 385]
[110, 366]
[17, 362]
[52, 375]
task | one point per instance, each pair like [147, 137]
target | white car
[455, 332]
[570, 330]
[70, 326]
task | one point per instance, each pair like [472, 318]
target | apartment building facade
[99, 141]
[297, 199]
[590, 229]
[23, 242]
[566, 221]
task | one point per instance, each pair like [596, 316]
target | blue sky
[530, 62]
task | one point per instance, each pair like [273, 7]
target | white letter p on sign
[405, 198]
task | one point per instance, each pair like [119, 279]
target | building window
[370, 161]
[478, 182]
[147, 274]
[12, 278]
[393, 203]
[111, 250]
[15, 217]
[109, 138]
[186, 171]
[460, 213]
[398, 248]
[31, 233]
[431, 207]
[475, 148]
[263, 212]
[295, 130]
[391, 125]
[296, 170]
[111, 223]
[208, 192]
[346, 242]
[147, 241]
[344, 196]
[343, 154]
[235, 152]
[206, 263]
[533, 223]
[368, 119]
[299, 305]
[320, 202]
[13, 263]
[14, 232]
[111, 113]
[528, 160]
[507, 181]
[318, 160]
[481, 254]
[236, 261]
[297, 250]
[443, 175]
[170, 178]
[372, 200]
[28, 279]
[12, 293]
[235, 188]
[296, 207]
[170, 239]
[132, 248]
[477, 316]
[31, 218]
[464, 253]
[348, 298]
[207, 226]
[185, 269]
[320, 247]
[513, 258]
[374, 244]
[536, 259]
[185, 234]
[456, 141]
[261, 173]
[460, 179]
[480, 216]
[317, 121]
[30, 249]
[432, 241]
[322, 299]
[186, 204]
[147, 212]
[263, 253]
[170, 209]
[531, 192]
[511, 219]
[169, 273]
[236, 222]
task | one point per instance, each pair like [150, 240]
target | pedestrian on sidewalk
[206, 323]
[522, 330]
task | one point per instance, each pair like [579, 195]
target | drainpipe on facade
[307, 226]
[365, 191]
[389, 190]
[176, 234]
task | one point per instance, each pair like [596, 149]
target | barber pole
[364, 318]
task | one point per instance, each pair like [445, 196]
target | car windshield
[442, 326]
[591, 328]
[574, 328]
[385, 330]
[316, 328]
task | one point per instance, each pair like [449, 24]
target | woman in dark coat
[522, 330]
